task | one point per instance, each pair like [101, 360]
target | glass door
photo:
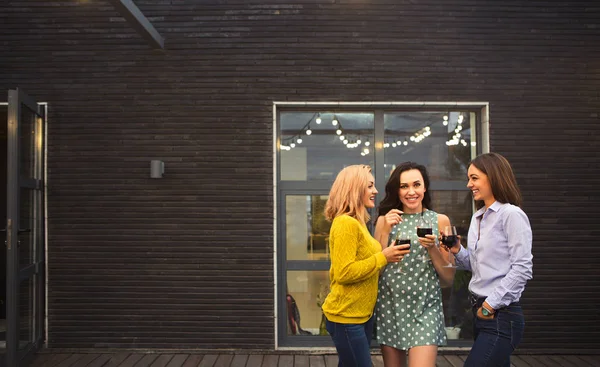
[24, 228]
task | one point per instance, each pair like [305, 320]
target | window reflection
[306, 291]
[441, 141]
[312, 151]
[307, 230]
[457, 205]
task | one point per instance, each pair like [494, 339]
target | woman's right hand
[393, 217]
[454, 249]
[394, 254]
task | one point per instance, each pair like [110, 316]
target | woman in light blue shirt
[499, 256]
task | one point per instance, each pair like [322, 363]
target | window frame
[283, 188]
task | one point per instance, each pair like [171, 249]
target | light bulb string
[415, 137]
[306, 126]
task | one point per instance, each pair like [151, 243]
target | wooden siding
[187, 260]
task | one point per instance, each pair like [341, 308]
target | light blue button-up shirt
[498, 254]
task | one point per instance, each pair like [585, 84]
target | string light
[420, 135]
[351, 142]
[457, 137]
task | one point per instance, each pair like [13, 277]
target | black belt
[477, 301]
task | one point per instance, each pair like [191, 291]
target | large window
[314, 143]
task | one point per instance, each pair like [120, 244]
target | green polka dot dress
[409, 309]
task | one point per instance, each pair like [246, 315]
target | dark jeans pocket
[511, 320]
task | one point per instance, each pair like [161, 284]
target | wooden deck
[149, 359]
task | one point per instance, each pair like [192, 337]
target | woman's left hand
[481, 316]
[428, 241]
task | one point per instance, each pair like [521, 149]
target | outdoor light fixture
[157, 169]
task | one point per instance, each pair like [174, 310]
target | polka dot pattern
[409, 309]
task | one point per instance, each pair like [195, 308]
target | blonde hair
[346, 194]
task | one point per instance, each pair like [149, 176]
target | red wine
[403, 242]
[450, 241]
[421, 232]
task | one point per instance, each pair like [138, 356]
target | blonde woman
[356, 260]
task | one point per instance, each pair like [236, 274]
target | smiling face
[411, 192]
[480, 186]
[368, 198]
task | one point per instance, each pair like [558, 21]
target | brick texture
[187, 260]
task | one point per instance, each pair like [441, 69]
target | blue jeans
[497, 338]
[352, 342]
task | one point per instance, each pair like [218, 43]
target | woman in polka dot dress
[409, 314]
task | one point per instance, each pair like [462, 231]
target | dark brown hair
[391, 199]
[501, 178]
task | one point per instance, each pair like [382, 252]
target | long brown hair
[501, 178]
[391, 199]
[346, 194]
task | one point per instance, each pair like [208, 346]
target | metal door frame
[36, 269]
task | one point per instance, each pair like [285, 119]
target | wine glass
[450, 239]
[424, 228]
[402, 238]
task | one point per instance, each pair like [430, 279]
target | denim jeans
[352, 342]
[497, 338]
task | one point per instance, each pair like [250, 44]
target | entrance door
[24, 228]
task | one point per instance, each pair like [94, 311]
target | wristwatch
[485, 311]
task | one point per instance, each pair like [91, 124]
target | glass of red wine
[450, 239]
[402, 238]
[424, 228]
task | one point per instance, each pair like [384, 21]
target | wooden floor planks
[152, 359]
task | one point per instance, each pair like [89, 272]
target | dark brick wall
[186, 261]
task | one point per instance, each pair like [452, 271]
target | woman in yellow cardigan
[356, 259]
